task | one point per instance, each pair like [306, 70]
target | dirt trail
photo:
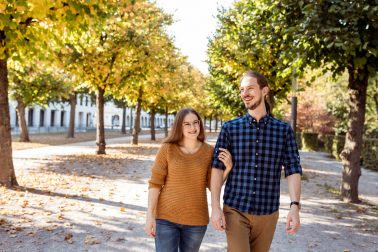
[72, 200]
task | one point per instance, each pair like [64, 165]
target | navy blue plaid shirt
[259, 151]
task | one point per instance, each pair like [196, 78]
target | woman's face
[191, 126]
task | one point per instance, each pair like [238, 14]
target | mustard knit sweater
[183, 179]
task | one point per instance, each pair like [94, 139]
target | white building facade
[55, 117]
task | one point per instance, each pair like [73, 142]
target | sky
[195, 23]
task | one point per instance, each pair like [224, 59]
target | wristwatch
[295, 203]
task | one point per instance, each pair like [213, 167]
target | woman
[177, 214]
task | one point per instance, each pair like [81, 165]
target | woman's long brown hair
[176, 135]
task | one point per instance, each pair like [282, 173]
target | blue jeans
[170, 237]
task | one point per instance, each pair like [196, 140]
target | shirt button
[257, 154]
[255, 165]
[255, 179]
[254, 192]
[258, 128]
[257, 141]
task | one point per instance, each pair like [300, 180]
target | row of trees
[323, 105]
[281, 39]
[53, 50]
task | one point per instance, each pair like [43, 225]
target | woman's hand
[226, 158]
[150, 228]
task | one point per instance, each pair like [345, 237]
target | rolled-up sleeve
[292, 159]
[222, 142]
[159, 169]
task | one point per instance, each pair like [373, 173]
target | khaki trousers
[247, 232]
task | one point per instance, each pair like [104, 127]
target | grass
[364, 207]
[304, 177]
[331, 189]
[334, 210]
[374, 209]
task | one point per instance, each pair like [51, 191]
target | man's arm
[217, 216]
[294, 186]
[293, 172]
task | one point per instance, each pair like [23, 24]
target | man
[260, 145]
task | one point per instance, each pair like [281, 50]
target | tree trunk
[293, 121]
[375, 98]
[24, 133]
[71, 126]
[138, 108]
[123, 127]
[131, 120]
[152, 123]
[166, 122]
[216, 124]
[100, 131]
[7, 174]
[210, 119]
[350, 156]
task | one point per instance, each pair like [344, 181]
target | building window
[30, 117]
[86, 101]
[81, 99]
[52, 119]
[115, 120]
[41, 118]
[62, 114]
[81, 120]
[88, 122]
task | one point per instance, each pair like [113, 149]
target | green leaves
[39, 8]
[359, 62]
[246, 39]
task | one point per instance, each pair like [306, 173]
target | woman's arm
[153, 196]
[226, 158]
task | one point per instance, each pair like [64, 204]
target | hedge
[338, 146]
[334, 144]
[370, 154]
[310, 141]
[298, 138]
[327, 142]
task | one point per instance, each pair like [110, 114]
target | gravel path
[72, 200]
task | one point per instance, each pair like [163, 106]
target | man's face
[251, 93]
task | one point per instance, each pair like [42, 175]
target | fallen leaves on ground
[89, 239]
[68, 238]
[50, 196]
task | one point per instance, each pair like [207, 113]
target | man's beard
[254, 105]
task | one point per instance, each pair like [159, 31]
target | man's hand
[150, 227]
[217, 219]
[292, 220]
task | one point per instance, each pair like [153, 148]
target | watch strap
[295, 203]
